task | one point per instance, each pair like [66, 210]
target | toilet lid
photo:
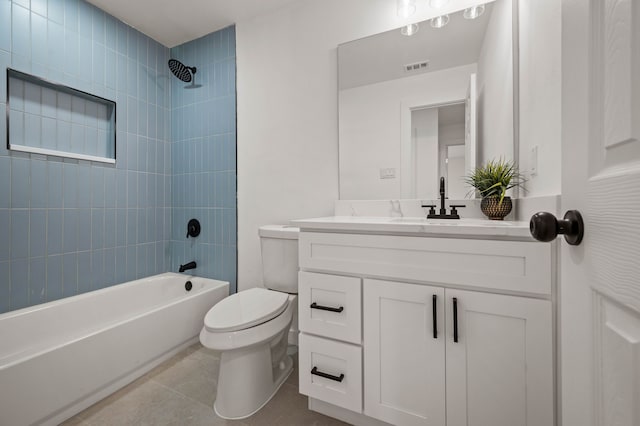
[245, 309]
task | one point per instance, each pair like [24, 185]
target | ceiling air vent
[416, 66]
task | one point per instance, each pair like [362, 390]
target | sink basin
[418, 225]
[409, 219]
[452, 222]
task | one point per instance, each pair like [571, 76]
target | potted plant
[492, 181]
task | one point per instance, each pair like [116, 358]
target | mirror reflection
[434, 103]
[438, 132]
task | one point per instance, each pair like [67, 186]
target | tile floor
[181, 392]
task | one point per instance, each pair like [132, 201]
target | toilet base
[248, 381]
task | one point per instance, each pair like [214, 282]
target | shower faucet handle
[193, 228]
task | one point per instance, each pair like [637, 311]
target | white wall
[288, 111]
[451, 146]
[540, 93]
[495, 86]
[456, 188]
[424, 123]
[288, 107]
[370, 128]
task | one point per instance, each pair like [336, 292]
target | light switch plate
[533, 161]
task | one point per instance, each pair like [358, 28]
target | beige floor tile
[289, 408]
[74, 421]
[181, 391]
[194, 375]
[153, 404]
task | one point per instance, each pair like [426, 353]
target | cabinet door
[500, 370]
[403, 357]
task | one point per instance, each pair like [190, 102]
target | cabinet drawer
[522, 266]
[331, 371]
[330, 306]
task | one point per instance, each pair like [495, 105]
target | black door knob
[545, 227]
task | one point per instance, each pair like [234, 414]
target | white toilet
[251, 328]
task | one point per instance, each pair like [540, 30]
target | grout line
[181, 394]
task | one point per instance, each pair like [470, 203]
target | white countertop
[417, 226]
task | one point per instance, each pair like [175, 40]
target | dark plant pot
[492, 208]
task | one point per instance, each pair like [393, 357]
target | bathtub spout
[187, 266]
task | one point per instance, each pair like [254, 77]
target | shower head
[181, 71]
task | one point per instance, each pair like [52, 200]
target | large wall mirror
[435, 103]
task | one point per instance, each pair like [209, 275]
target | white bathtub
[58, 358]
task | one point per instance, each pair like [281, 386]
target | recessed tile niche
[51, 119]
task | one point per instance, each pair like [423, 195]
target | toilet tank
[279, 246]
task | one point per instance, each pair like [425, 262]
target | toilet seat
[245, 309]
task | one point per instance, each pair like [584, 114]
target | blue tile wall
[69, 226]
[203, 157]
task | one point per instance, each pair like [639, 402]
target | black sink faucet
[187, 266]
[443, 210]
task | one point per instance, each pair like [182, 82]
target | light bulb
[440, 21]
[473, 12]
[410, 29]
[406, 8]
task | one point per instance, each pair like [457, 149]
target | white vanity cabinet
[404, 353]
[495, 370]
[451, 331]
[500, 370]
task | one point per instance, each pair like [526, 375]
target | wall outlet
[389, 173]
[533, 161]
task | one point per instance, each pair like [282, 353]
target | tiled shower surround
[70, 226]
[203, 157]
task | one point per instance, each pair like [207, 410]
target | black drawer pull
[314, 305]
[455, 319]
[435, 316]
[315, 372]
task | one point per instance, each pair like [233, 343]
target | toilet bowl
[251, 329]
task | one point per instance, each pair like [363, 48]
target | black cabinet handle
[315, 372]
[435, 316]
[455, 319]
[314, 305]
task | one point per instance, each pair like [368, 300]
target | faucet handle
[454, 208]
[432, 208]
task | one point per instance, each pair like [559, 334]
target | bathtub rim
[16, 358]
[90, 293]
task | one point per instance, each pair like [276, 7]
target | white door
[500, 360]
[404, 353]
[600, 279]
[470, 126]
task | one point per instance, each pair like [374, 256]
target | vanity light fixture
[406, 8]
[440, 21]
[473, 12]
[410, 29]
[437, 4]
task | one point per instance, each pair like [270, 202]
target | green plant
[495, 178]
